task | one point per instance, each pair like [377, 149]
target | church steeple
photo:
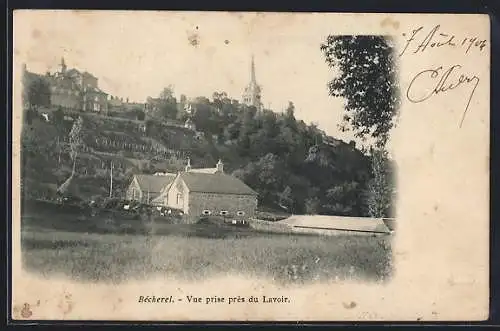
[63, 65]
[252, 72]
[251, 96]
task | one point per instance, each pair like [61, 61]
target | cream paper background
[442, 243]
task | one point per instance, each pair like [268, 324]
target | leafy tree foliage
[140, 115]
[380, 193]
[366, 80]
[271, 152]
[168, 103]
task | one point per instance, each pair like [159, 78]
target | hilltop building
[252, 93]
[72, 89]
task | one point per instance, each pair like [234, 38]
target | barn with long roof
[336, 225]
[209, 191]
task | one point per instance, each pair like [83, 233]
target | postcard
[243, 166]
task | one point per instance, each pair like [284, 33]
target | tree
[367, 81]
[37, 93]
[342, 199]
[167, 93]
[139, 114]
[168, 103]
[380, 192]
[58, 117]
[312, 205]
[75, 141]
[182, 114]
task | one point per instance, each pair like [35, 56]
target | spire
[63, 65]
[252, 71]
[252, 93]
[188, 166]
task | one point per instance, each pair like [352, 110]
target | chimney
[188, 165]
[220, 167]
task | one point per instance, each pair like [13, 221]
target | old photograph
[172, 148]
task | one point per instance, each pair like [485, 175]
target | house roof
[215, 183]
[154, 183]
[73, 72]
[355, 224]
[88, 74]
[204, 170]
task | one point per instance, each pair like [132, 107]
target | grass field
[61, 244]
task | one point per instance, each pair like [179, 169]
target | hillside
[46, 157]
[293, 166]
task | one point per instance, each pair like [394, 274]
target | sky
[135, 55]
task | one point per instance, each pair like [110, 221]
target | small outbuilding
[336, 225]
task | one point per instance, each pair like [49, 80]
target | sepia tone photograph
[210, 157]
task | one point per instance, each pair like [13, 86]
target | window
[223, 212]
[240, 213]
[206, 212]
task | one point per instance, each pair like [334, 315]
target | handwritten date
[432, 82]
[419, 42]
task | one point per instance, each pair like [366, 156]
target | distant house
[209, 191]
[189, 125]
[142, 127]
[145, 188]
[336, 225]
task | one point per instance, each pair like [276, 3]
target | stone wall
[232, 203]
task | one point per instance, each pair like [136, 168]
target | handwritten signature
[437, 39]
[442, 81]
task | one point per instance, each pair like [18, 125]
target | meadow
[80, 250]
